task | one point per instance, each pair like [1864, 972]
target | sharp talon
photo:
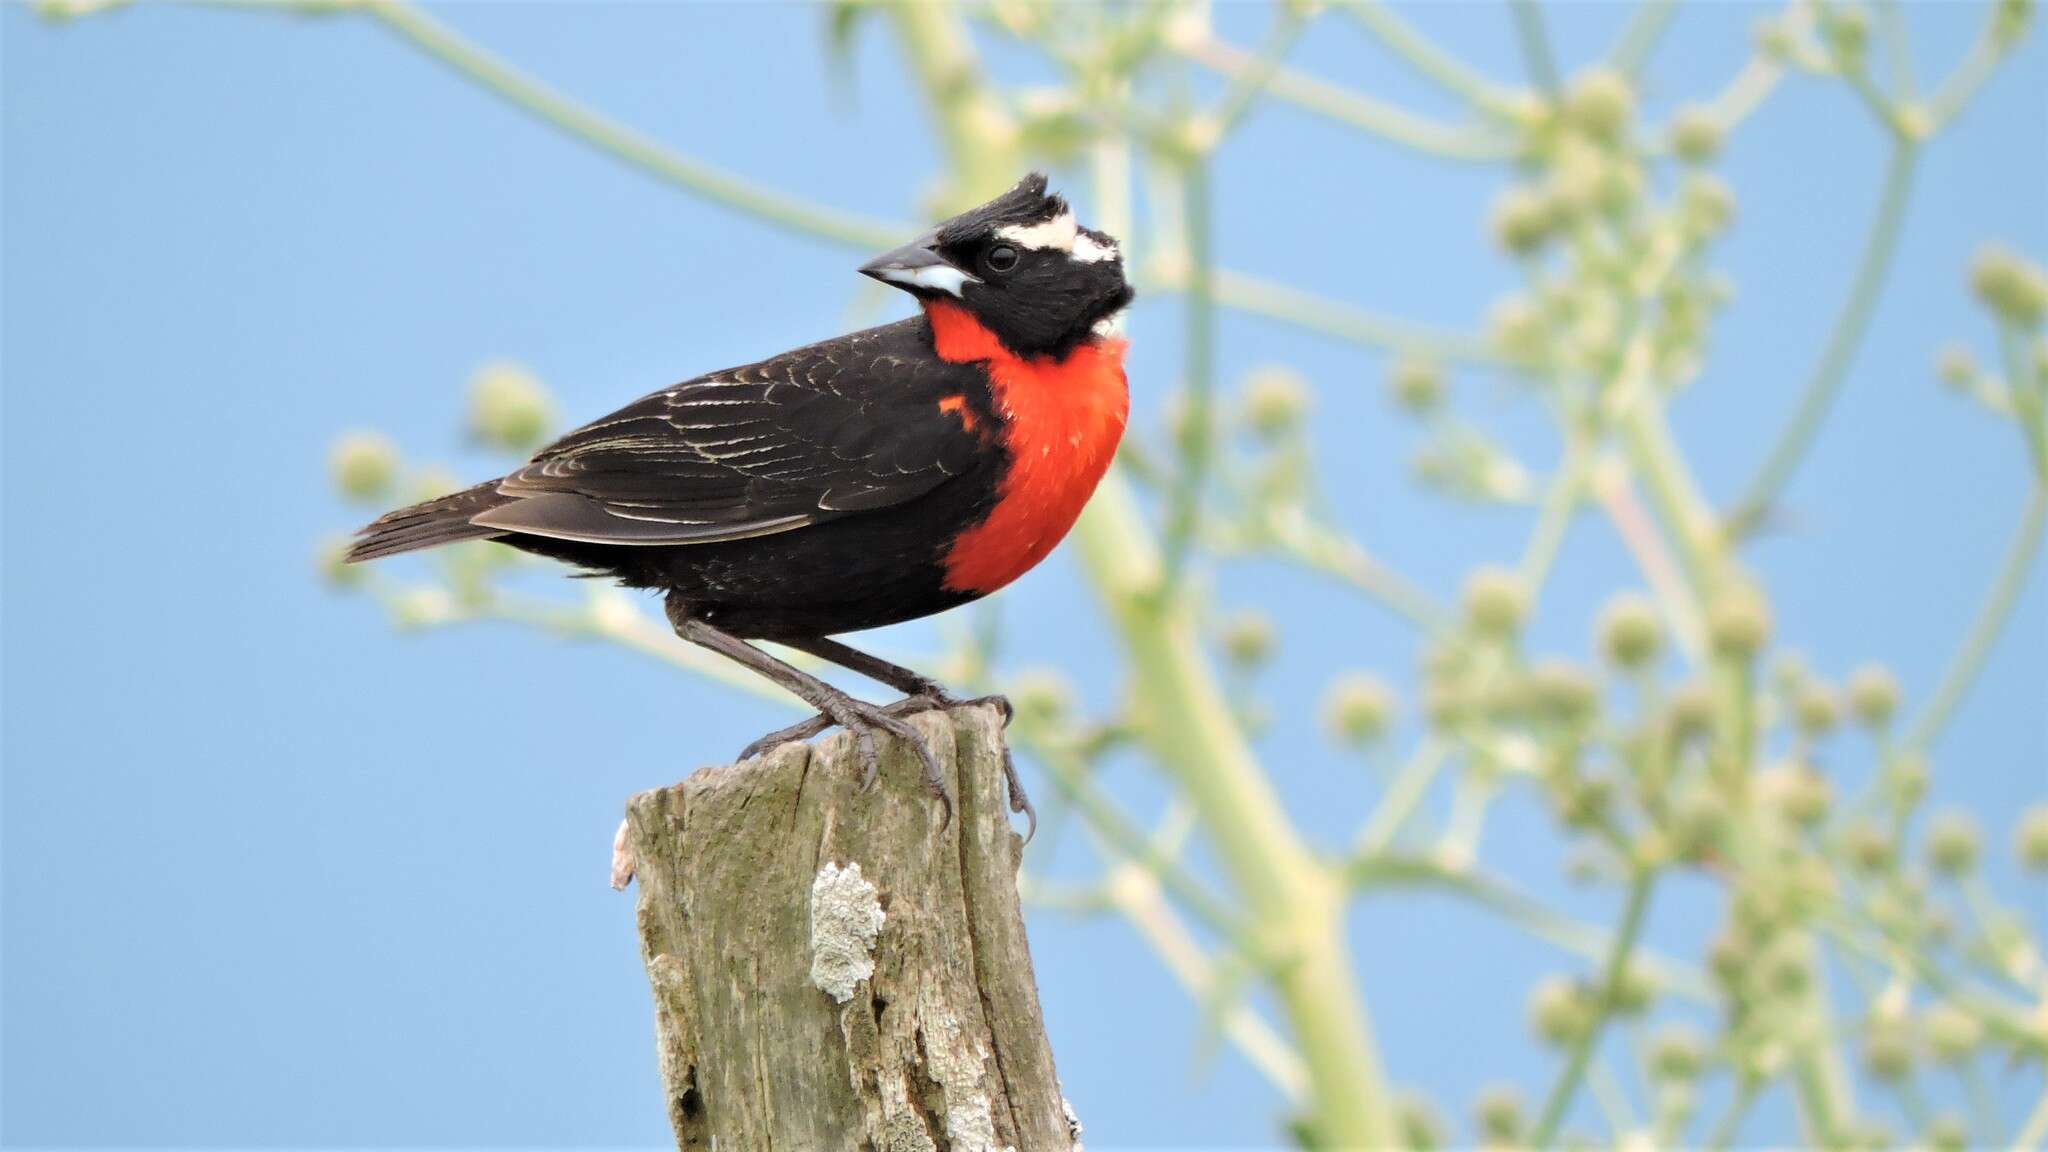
[1002, 704]
[1019, 802]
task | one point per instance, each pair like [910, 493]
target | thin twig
[1534, 37]
[1843, 340]
[1197, 431]
[1427, 58]
[1614, 974]
[1998, 604]
[1354, 109]
[1639, 38]
[691, 175]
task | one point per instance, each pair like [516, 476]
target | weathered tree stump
[832, 969]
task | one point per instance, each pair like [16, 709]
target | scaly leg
[856, 716]
[921, 693]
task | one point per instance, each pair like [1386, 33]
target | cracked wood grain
[767, 887]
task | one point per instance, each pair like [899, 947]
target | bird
[881, 476]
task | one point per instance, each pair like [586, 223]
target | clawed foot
[863, 720]
[870, 717]
[821, 723]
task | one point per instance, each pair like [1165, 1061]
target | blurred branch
[1197, 432]
[1350, 108]
[1639, 37]
[1257, 296]
[1990, 622]
[1135, 893]
[622, 143]
[1451, 73]
[1369, 870]
[1534, 37]
[1330, 552]
[1818, 395]
[2003, 24]
[1613, 974]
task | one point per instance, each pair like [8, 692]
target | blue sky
[275, 874]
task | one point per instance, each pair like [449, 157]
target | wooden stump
[831, 969]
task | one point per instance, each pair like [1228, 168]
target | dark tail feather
[428, 525]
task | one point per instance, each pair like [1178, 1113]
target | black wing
[850, 425]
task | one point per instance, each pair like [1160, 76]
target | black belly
[842, 575]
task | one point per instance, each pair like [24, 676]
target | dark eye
[1000, 258]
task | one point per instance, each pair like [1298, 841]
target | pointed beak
[918, 265]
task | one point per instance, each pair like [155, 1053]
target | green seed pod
[1421, 1128]
[1952, 1034]
[2009, 22]
[1276, 400]
[1358, 708]
[1445, 702]
[1847, 31]
[2030, 838]
[1706, 204]
[1695, 135]
[1887, 1049]
[1629, 632]
[1787, 971]
[1906, 779]
[1802, 794]
[1698, 820]
[1634, 992]
[1689, 713]
[1516, 329]
[1948, 1133]
[1677, 1053]
[363, 465]
[1248, 639]
[1870, 848]
[508, 408]
[1494, 602]
[1873, 695]
[1417, 383]
[1563, 693]
[422, 608]
[1584, 801]
[1956, 367]
[2009, 285]
[1601, 103]
[1739, 621]
[1952, 843]
[1817, 709]
[1559, 1010]
[1522, 220]
[1729, 957]
[1499, 1112]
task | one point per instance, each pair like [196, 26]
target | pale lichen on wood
[835, 968]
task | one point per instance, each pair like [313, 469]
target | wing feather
[839, 428]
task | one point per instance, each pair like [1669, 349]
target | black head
[1021, 265]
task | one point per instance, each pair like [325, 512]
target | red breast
[1062, 420]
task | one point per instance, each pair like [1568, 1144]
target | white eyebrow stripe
[1058, 232]
[1089, 250]
[937, 277]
